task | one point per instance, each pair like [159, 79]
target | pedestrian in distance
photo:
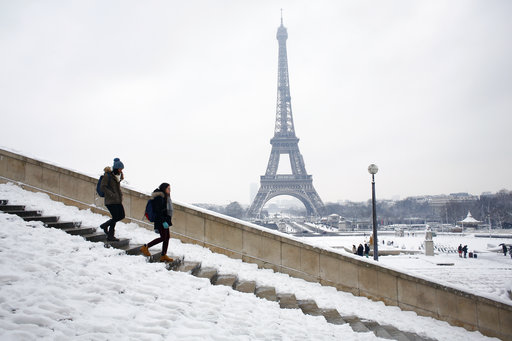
[366, 250]
[360, 250]
[111, 186]
[162, 207]
[504, 247]
[510, 251]
[354, 250]
[465, 250]
[460, 250]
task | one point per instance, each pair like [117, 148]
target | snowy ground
[57, 286]
[489, 275]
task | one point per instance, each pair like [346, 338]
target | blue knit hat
[118, 164]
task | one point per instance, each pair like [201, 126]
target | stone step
[8, 208]
[377, 329]
[309, 307]
[130, 249]
[44, 219]
[188, 266]
[117, 245]
[268, 293]
[176, 263]
[80, 231]
[23, 213]
[287, 301]
[356, 324]
[65, 224]
[333, 316]
[155, 256]
[245, 286]
[415, 337]
[396, 334]
[227, 280]
[207, 272]
[95, 237]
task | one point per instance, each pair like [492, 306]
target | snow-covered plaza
[488, 275]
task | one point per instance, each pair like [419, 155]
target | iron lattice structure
[298, 184]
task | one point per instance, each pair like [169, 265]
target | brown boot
[145, 251]
[166, 258]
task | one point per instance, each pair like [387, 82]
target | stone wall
[276, 251]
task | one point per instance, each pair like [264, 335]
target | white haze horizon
[185, 92]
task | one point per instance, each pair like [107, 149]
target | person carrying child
[162, 208]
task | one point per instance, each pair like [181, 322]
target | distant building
[438, 201]
[333, 218]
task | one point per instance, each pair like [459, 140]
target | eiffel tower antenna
[298, 184]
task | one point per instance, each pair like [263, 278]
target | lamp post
[373, 169]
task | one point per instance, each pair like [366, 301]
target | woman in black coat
[162, 208]
[366, 250]
[360, 250]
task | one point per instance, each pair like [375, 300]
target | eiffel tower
[298, 184]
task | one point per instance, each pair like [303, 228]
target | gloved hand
[166, 226]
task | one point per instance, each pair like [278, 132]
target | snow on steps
[286, 300]
[71, 227]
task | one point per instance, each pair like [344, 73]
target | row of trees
[388, 212]
[494, 207]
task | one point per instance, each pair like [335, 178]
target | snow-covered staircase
[285, 300]
[71, 227]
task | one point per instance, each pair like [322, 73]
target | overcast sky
[185, 92]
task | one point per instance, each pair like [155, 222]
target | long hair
[163, 187]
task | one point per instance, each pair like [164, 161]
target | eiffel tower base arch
[302, 190]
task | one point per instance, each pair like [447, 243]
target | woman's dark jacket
[111, 187]
[160, 208]
[360, 250]
[366, 249]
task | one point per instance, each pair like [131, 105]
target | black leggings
[164, 237]
[117, 212]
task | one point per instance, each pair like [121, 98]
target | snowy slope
[58, 286]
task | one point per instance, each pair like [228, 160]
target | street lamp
[373, 169]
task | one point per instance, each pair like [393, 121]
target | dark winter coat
[159, 203]
[360, 250]
[111, 187]
[366, 249]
